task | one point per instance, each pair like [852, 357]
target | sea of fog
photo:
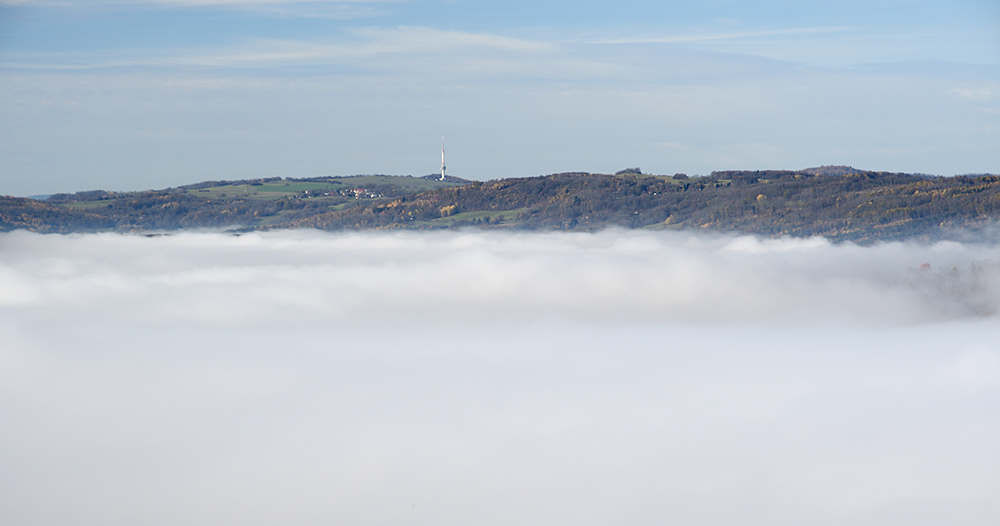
[487, 378]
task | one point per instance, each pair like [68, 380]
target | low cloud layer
[493, 378]
[618, 276]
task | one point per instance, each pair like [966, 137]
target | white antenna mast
[442, 158]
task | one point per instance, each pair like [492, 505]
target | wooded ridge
[838, 202]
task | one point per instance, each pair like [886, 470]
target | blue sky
[136, 95]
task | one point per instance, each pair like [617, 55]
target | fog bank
[306, 276]
[492, 378]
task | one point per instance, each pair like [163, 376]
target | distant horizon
[644, 172]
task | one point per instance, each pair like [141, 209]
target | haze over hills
[839, 202]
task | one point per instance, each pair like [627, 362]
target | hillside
[860, 206]
[210, 204]
[838, 202]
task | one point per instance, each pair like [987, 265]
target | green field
[91, 205]
[276, 190]
[507, 215]
[403, 182]
[285, 188]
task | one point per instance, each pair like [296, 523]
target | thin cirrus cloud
[190, 3]
[496, 378]
[362, 44]
[444, 45]
[676, 39]
[331, 10]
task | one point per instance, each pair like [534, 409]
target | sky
[137, 95]
[454, 378]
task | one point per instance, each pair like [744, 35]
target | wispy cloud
[268, 2]
[978, 94]
[326, 9]
[421, 38]
[362, 43]
[712, 37]
[193, 3]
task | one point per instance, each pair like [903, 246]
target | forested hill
[858, 206]
[837, 202]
